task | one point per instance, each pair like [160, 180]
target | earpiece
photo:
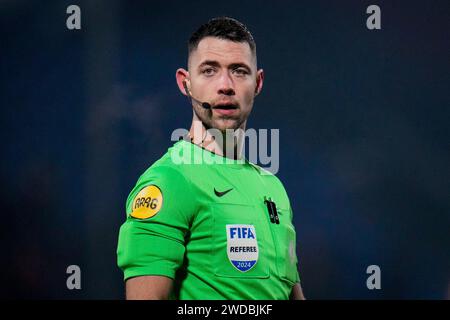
[186, 88]
[205, 105]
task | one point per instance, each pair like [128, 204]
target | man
[221, 227]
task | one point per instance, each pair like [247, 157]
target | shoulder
[266, 174]
[164, 178]
[167, 168]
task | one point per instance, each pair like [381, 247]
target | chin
[223, 125]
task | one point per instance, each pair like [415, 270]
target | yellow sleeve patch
[147, 202]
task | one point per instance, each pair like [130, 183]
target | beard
[219, 122]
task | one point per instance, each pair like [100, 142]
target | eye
[240, 71]
[208, 71]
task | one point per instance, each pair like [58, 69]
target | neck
[228, 143]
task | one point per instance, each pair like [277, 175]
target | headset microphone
[205, 105]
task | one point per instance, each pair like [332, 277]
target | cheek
[248, 93]
[248, 99]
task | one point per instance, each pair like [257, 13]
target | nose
[226, 86]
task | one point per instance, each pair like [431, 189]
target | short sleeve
[159, 209]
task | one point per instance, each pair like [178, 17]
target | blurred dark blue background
[363, 118]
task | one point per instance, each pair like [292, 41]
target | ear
[183, 83]
[259, 81]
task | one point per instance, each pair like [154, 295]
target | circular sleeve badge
[147, 202]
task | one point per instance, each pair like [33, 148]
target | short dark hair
[223, 28]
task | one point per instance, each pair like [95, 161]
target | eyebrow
[211, 63]
[240, 65]
[214, 63]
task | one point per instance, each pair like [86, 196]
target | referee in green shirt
[203, 222]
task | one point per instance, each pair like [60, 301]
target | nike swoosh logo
[220, 194]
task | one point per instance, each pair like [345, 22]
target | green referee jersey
[209, 223]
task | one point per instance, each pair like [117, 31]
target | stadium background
[363, 118]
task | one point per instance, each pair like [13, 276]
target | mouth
[225, 106]
[225, 109]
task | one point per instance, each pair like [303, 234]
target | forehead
[223, 51]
